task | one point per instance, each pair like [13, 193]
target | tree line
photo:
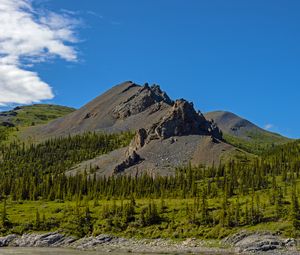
[37, 172]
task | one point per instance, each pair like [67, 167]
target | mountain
[243, 133]
[124, 107]
[33, 115]
[168, 133]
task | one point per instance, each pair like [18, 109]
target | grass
[175, 214]
[256, 142]
[27, 116]
[35, 114]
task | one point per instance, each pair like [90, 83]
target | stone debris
[243, 243]
[260, 242]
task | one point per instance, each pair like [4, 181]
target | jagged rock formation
[180, 120]
[168, 133]
[131, 160]
[138, 141]
[144, 98]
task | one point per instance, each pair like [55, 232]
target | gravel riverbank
[243, 243]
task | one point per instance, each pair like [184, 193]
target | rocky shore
[243, 243]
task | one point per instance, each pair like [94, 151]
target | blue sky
[240, 56]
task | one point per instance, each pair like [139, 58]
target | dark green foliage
[37, 220]
[150, 215]
[295, 210]
[37, 172]
[5, 222]
[30, 172]
[80, 221]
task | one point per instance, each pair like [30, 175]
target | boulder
[52, 239]
[258, 242]
[5, 241]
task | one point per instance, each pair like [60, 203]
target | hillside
[148, 167]
[201, 201]
[33, 115]
[22, 117]
[124, 107]
[244, 134]
[168, 133]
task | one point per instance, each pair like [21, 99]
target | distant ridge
[243, 133]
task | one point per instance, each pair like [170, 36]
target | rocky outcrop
[130, 161]
[138, 141]
[242, 243]
[259, 242]
[144, 98]
[131, 156]
[52, 239]
[180, 120]
[5, 241]
[183, 120]
[168, 134]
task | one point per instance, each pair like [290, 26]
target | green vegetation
[208, 202]
[4, 133]
[14, 121]
[32, 115]
[256, 142]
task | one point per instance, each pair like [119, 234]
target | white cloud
[268, 126]
[28, 36]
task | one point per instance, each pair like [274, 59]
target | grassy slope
[26, 116]
[244, 134]
[256, 142]
[34, 114]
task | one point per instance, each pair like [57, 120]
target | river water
[59, 251]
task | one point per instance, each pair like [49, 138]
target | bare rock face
[144, 98]
[168, 133]
[181, 120]
[130, 160]
[256, 242]
[138, 141]
[131, 156]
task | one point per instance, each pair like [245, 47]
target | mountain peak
[143, 98]
[168, 133]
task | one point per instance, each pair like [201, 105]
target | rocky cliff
[168, 133]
